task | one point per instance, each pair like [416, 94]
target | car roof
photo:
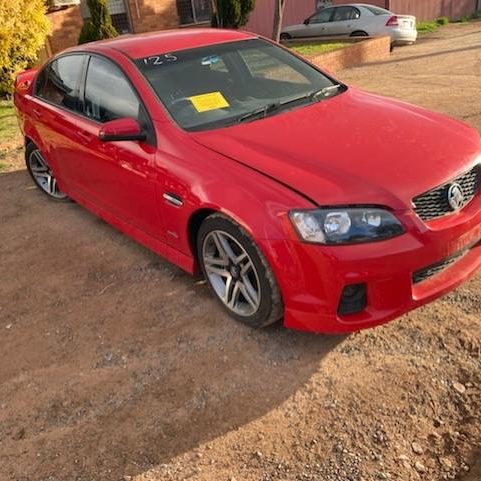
[166, 41]
[366, 5]
[354, 5]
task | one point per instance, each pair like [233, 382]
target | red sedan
[298, 197]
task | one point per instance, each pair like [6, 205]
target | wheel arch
[359, 33]
[193, 226]
[197, 218]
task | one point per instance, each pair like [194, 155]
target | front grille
[432, 270]
[434, 204]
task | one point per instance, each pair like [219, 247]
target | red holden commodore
[298, 197]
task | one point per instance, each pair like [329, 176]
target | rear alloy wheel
[238, 273]
[41, 173]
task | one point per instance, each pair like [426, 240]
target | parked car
[298, 197]
[355, 20]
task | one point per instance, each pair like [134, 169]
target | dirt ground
[114, 365]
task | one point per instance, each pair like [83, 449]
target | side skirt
[174, 256]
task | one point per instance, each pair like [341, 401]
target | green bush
[427, 27]
[234, 13]
[442, 20]
[23, 30]
[476, 15]
[100, 25]
[464, 19]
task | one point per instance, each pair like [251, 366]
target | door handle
[173, 199]
[37, 113]
[85, 136]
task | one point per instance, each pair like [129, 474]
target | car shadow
[428, 55]
[114, 361]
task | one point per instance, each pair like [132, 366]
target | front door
[118, 176]
[318, 24]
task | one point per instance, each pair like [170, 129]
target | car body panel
[345, 160]
[354, 148]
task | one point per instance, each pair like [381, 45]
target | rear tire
[359, 33]
[285, 36]
[237, 272]
[41, 173]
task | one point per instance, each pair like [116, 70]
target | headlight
[345, 226]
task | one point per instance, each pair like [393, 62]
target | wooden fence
[261, 20]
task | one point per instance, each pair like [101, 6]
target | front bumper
[312, 277]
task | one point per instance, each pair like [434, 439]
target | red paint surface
[356, 148]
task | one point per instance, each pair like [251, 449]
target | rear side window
[108, 93]
[377, 10]
[41, 80]
[346, 13]
[59, 82]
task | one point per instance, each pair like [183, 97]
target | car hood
[355, 148]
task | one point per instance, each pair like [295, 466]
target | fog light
[353, 299]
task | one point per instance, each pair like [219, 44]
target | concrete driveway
[441, 72]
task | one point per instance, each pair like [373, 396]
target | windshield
[219, 85]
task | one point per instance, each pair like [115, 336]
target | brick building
[137, 16]
[129, 16]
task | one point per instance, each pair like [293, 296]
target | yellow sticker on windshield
[210, 101]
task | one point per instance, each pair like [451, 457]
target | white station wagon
[355, 20]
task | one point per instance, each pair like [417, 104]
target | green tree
[100, 25]
[23, 30]
[234, 13]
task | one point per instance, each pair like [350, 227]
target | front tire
[237, 272]
[285, 36]
[41, 173]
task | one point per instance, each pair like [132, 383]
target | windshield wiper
[264, 111]
[259, 113]
[313, 96]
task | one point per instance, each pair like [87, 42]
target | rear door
[55, 111]
[345, 21]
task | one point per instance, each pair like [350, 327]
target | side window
[108, 94]
[61, 81]
[346, 13]
[323, 16]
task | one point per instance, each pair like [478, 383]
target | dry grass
[10, 138]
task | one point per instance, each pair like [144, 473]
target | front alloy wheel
[231, 273]
[41, 173]
[237, 272]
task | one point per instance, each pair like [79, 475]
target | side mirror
[306, 21]
[121, 129]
